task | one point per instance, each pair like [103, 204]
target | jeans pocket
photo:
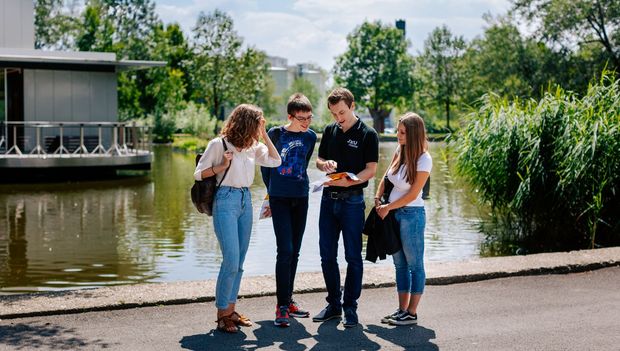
[223, 193]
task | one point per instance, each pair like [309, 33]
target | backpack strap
[227, 168]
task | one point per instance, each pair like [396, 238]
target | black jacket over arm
[383, 236]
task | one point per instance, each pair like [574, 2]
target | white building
[284, 74]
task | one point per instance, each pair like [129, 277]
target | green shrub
[549, 169]
[196, 120]
[163, 127]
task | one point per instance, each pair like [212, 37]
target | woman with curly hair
[234, 170]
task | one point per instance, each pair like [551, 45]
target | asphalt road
[552, 312]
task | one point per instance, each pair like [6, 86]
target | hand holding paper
[318, 184]
[265, 210]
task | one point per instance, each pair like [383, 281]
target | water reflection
[145, 229]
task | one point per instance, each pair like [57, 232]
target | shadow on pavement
[413, 337]
[37, 335]
[329, 337]
[268, 335]
[215, 340]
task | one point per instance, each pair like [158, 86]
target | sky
[315, 31]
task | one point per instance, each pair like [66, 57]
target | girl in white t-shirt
[409, 170]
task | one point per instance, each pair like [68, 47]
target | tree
[95, 31]
[55, 24]
[441, 58]
[223, 73]
[304, 86]
[168, 90]
[569, 22]
[376, 68]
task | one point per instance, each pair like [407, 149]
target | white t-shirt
[401, 186]
[242, 166]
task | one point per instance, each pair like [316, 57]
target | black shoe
[405, 318]
[395, 314]
[329, 312]
[350, 317]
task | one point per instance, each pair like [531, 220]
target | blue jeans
[409, 261]
[346, 215]
[232, 220]
[289, 223]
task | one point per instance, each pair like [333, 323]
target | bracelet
[212, 170]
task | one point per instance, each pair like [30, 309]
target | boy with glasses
[288, 186]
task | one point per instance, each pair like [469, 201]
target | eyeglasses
[304, 119]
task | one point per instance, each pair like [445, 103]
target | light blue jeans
[409, 261]
[232, 220]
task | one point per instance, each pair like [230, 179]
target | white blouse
[242, 166]
[401, 186]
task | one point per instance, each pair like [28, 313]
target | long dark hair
[415, 145]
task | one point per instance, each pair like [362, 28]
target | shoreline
[144, 295]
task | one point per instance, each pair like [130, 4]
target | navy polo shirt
[351, 149]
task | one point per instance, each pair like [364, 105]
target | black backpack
[203, 191]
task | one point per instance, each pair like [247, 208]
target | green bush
[163, 127]
[196, 120]
[549, 169]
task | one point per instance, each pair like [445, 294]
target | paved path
[578, 311]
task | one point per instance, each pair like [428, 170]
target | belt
[340, 195]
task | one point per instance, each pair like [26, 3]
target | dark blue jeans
[289, 222]
[346, 215]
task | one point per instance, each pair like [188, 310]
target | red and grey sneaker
[295, 311]
[282, 318]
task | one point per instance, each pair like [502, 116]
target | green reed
[549, 169]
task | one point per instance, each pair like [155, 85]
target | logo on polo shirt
[352, 143]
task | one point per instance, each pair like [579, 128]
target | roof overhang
[72, 61]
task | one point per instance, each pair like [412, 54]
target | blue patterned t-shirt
[290, 179]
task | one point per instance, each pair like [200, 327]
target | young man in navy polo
[347, 145]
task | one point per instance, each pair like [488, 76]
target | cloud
[316, 30]
[294, 37]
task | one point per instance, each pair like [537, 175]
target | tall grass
[549, 169]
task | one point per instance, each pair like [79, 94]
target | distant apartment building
[284, 74]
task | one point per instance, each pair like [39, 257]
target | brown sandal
[226, 324]
[241, 320]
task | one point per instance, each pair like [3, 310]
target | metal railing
[73, 139]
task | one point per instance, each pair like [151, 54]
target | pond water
[144, 228]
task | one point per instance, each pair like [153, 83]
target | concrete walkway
[577, 311]
[142, 295]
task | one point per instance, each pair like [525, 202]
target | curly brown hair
[242, 126]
